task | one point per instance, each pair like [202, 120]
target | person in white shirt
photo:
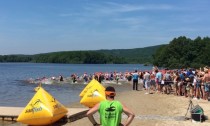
[147, 82]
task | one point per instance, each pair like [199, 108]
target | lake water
[14, 91]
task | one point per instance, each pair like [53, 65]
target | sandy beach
[155, 109]
[150, 109]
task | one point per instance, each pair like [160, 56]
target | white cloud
[111, 7]
[129, 20]
[69, 14]
[128, 7]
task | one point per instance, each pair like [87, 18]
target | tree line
[78, 57]
[68, 57]
[15, 58]
[115, 56]
[183, 52]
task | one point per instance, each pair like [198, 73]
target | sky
[41, 26]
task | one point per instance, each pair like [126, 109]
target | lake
[15, 91]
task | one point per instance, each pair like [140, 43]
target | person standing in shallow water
[110, 111]
[135, 77]
[61, 78]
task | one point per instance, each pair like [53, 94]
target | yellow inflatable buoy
[43, 109]
[92, 82]
[36, 89]
[94, 95]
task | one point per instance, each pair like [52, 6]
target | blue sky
[40, 26]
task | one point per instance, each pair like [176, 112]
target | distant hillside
[16, 58]
[115, 56]
[78, 57]
[137, 55]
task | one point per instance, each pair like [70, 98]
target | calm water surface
[14, 91]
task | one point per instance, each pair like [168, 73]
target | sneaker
[146, 93]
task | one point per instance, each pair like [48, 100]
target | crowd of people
[193, 83]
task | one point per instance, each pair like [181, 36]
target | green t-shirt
[110, 113]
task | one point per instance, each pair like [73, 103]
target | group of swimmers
[194, 83]
[102, 77]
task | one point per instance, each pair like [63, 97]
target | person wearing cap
[110, 111]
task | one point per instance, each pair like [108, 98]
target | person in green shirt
[110, 111]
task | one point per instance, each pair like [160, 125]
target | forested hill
[137, 55]
[115, 56]
[181, 52]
